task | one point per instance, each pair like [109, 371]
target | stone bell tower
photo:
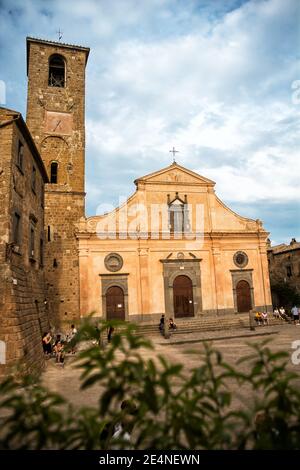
[55, 117]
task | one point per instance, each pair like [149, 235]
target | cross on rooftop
[60, 33]
[174, 153]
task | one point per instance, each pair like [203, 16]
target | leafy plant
[213, 406]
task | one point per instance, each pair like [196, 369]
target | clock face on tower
[58, 123]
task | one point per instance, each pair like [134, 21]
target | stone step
[199, 324]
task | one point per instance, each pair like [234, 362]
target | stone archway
[243, 290]
[115, 303]
[115, 296]
[187, 267]
[183, 297]
[243, 296]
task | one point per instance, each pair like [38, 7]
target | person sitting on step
[59, 353]
[282, 314]
[264, 317]
[172, 325]
[258, 318]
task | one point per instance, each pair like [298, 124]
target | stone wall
[62, 211]
[23, 315]
[284, 266]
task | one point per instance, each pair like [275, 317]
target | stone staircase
[208, 323]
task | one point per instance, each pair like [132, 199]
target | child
[59, 353]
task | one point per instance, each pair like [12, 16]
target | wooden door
[115, 305]
[183, 297]
[243, 297]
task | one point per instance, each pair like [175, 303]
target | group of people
[56, 346]
[282, 315]
[161, 326]
[261, 318]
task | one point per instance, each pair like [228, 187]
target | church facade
[173, 248]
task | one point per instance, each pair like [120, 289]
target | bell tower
[55, 117]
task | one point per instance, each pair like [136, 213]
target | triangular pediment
[175, 174]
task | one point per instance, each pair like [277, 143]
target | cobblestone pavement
[231, 343]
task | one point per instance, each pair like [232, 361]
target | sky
[217, 79]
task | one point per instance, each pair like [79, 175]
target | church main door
[183, 297]
[115, 304]
[243, 297]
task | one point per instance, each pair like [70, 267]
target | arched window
[54, 173]
[57, 71]
[176, 217]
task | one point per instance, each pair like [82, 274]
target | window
[33, 179]
[54, 173]
[32, 247]
[176, 216]
[49, 233]
[41, 252]
[42, 194]
[289, 271]
[16, 229]
[20, 156]
[32, 240]
[56, 71]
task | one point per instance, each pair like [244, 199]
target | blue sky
[212, 78]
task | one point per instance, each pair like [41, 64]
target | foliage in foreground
[213, 406]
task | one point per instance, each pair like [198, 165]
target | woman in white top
[276, 312]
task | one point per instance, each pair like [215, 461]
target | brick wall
[23, 315]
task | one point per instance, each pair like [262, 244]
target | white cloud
[212, 78]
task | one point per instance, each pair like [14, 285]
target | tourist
[59, 353]
[110, 333]
[264, 317]
[282, 314]
[295, 313]
[161, 325]
[123, 429]
[276, 313]
[258, 318]
[71, 338]
[46, 341]
[73, 332]
[172, 325]
[57, 339]
[120, 428]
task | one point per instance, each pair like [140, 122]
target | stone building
[23, 313]
[55, 118]
[172, 248]
[284, 267]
